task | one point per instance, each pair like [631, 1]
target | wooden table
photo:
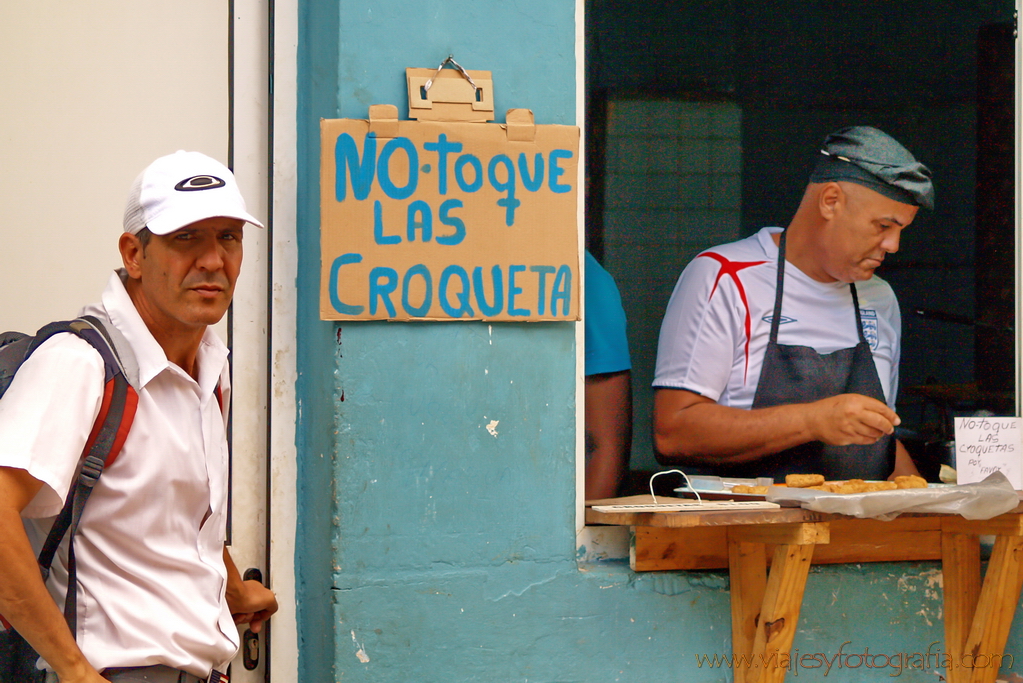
[765, 605]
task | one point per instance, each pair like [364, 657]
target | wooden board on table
[690, 518]
[852, 540]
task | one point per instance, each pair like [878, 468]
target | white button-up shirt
[149, 548]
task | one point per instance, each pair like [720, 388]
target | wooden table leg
[747, 571]
[977, 620]
[775, 628]
[780, 613]
[960, 561]
[999, 594]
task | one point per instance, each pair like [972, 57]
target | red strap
[131, 402]
[104, 408]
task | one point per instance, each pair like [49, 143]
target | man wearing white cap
[157, 594]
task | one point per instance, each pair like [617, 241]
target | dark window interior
[703, 118]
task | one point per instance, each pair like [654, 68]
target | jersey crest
[868, 317]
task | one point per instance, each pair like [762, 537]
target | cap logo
[199, 182]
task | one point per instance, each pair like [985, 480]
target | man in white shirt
[158, 594]
[779, 353]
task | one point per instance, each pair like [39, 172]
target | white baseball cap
[179, 189]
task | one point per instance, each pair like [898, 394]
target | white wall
[92, 92]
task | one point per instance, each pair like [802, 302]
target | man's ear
[130, 247]
[829, 200]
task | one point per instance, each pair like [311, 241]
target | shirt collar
[149, 355]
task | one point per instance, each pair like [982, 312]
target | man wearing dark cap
[779, 353]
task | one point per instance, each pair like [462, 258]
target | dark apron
[798, 374]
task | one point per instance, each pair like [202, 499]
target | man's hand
[251, 603]
[849, 419]
[692, 428]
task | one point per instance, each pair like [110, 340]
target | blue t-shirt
[607, 347]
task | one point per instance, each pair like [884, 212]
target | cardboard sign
[434, 220]
[986, 444]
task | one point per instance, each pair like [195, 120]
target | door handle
[250, 640]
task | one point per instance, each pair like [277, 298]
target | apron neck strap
[780, 289]
[856, 307]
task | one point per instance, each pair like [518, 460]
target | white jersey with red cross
[718, 321]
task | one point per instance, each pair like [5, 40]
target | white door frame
[1018, 206]
[264, 144]
[282, 350]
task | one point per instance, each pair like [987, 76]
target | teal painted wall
[431, 550]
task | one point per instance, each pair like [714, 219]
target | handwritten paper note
[986, 444]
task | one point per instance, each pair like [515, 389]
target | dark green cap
[874, 159]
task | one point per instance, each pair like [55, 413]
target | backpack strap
[117, 411]
[118, 344]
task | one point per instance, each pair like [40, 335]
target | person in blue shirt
[608, 393]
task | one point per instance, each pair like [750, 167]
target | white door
[92, 93]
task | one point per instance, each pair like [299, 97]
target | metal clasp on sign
[451, 60]
[450, 93]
